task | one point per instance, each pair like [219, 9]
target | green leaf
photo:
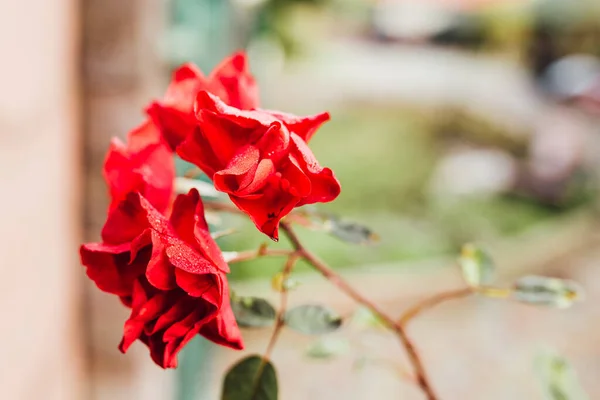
[553, 292]
[327, 347]
[252, 378]
[312, 319]
[281, 283]
[344, 230]
[277, 282]
[477, 266]
[559, 380]
[364, 318]
[350, 232]
[253, 312]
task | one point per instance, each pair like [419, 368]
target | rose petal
[180, 328]
[190, 224]
[242, 165]
[248, 119]
[324, 185]
[231, 80]
[267, 210]
[207, 286]
[140, 243]
[182, 308]
[296, 181]
[144, 310]
[145, 165]
[223, 329]
[274, 143]
[126, 222]
[160, 272]
[259, 179]
[175, 125]
[223, 136]
[110, 266]
[182, 256]
[175, 345]
[157, 350]
[181, 93]
[197, 150]
[305, 127]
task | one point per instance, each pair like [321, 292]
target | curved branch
[221, 206]
[280, 321]
[338, 281]
[431, 302]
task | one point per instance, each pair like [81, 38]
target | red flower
[260, 158]
[231, 81]
[170, 272]
[144, 165]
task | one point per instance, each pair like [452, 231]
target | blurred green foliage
[198, 31]
[274, 20]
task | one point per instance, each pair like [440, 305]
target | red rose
[260, 158]
[169, 271]
[231, 81]
[144, 165]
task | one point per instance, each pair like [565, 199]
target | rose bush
[156, 254]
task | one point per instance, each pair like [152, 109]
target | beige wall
[122, 71]
[40, 355]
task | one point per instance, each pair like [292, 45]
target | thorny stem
[338, 281]
[402, 373]
[192, 173]
[280, 321]
[433, 301]
[223, 233]
[220, 206]
[440, 298]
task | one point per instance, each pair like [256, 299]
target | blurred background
[452, 121]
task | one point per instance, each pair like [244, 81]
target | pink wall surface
[41, 351]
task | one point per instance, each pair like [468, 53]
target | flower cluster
[157, 253]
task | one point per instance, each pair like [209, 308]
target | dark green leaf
[558, 378]
[541, 290]
[344, 230]
[253, 312]
[250, 379]
[351, 232]
[312, 319]
[477, 266]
